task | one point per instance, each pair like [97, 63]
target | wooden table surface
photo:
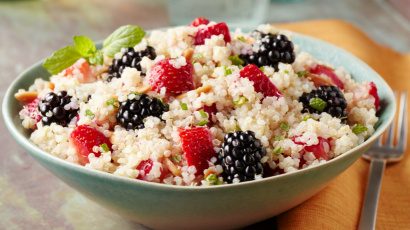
[32, 198]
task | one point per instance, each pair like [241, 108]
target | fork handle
[369, 209]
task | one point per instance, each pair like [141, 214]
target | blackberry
[130, 58]
[271, 49]
[52, 108]
[132, 112]
[240, 156]
[335, 102]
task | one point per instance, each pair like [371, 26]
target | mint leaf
[240, 101]
[97, 58]
[358, 128]
[277, 150]
[202, 123]
[236, 60]
[89, 114]
[184, 106]
[302, 73]
[203, 113]
[61, 59]
[84, 46]
[105, 147]
[227, 71]
[284, 126]
[317, 104]
[123, 37]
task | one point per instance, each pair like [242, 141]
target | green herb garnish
[241, 38]
[176, 158]
[203, 113]
[317, 104]
[279, 138]
[84, 47]
[302, 73]
[112, 102]
[105, 147]
[236, 60]
[184, 106]
[277, 150]
[202, 123]
[123, 37]
[213, 179]
[262, 68]
[89, 114]
[227, 70]
[240, 101]
[286, 71]
[307, 117]
[284, 126]
[358, 128]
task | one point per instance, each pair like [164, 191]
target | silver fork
[380, 154]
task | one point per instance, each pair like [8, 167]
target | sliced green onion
[318, 104]
[358, 128]
[184, 106]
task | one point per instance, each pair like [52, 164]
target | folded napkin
[338, 206]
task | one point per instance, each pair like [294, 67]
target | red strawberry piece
[197, 146]
[175, 80]
[327, 71]
[373, 92]
[210, 110]
[84, 138]
[216, 29]
[84, 73]
[320, 150]
[32, 110]
[261, 82]
[146, 166]
[199, 21]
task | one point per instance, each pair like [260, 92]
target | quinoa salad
[196, 105]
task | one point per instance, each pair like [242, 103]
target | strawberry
[84, 138]
[146, 166]
[325, 70]
[32, 110]
[84, 74]
[175, 80]
[197, 147]
[261, 82]
[373, 92]
[210, 110]
[199, 21]
[320, 150]
[216, 29]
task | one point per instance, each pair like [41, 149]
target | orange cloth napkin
[338, 206]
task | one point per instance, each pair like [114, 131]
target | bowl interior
[319, 49]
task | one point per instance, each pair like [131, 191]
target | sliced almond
[188, 54]
[319, 80]
[25, 96]
[143, 89]
[172, 168]
[199, 90]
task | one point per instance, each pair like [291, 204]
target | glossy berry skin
[130, 58]
[207, 32]
[199, 21]
[84, 138]
[336, 102]
[52, 109]
[261, 82]
[271, 49]
[175, 80]
[329, 72]
[373, 92]
[132, 112]
[240, 156]
[197, 146]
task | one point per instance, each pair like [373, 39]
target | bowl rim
[35, 150]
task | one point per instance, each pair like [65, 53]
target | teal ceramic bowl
[218, 207]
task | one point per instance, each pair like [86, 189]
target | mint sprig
[84, 47]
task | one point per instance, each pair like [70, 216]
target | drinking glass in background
[237, 13]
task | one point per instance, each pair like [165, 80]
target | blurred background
[32, 29]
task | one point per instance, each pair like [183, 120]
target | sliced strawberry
[320, 150]
[261, 82]
[199, 21]
[197, 146]
[373, 92]
[210, 110]
[81, 70]
[146, 166]
[216, 29]
[176, 80]
[84, 138]
[322, 69]
[32, 110]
